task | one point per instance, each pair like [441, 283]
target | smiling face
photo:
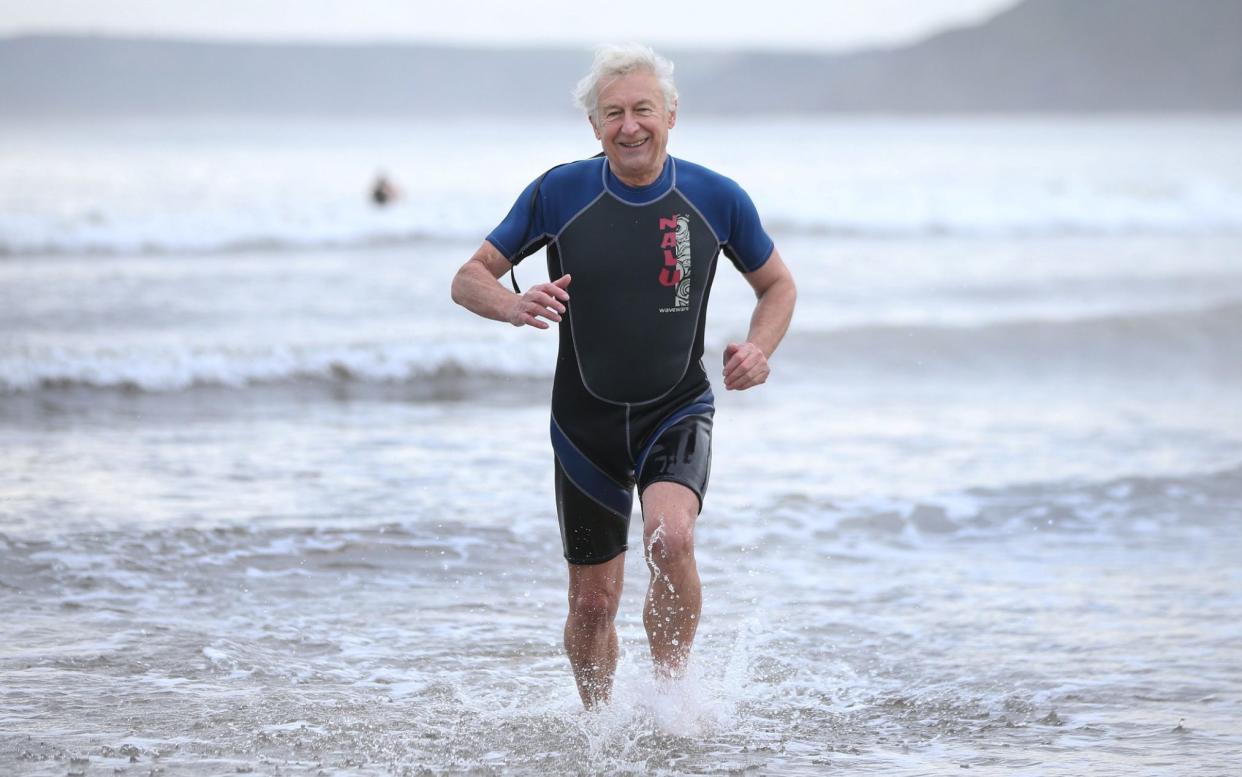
[632, 124]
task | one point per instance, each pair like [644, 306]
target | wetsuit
[631, 403]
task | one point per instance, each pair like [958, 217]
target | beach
[271, 503]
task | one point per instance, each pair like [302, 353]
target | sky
[785, 24]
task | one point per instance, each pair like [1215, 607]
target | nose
[628, 124]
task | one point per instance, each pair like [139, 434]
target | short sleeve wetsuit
[631, 403]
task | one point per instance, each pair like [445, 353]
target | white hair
[614, 61]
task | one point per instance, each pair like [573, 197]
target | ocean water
[270, 503]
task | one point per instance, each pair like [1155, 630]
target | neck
[645, 178]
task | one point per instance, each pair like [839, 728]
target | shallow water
[889, 641]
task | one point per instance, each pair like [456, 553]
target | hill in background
[1040, 56]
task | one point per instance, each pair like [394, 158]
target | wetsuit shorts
[594, 487]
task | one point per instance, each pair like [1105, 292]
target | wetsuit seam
[559, 494]
[629, 448]
[746, 270]
[672, 186]
[655, 435]
[706, 222]
[529, 243]
[587, 493]
[573, 335]
[657, 432]
[574, 217]
[621, 403]
[726, 243]
[694, 334]
[504, 251]
[585, 457]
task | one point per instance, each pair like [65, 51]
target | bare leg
[674, 598]
[590, 635]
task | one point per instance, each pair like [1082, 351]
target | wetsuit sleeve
[747, 244]
[522, 232]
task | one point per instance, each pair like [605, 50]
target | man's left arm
[746, 364]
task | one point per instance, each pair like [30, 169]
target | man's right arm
[475, 288]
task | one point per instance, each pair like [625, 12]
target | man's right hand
[543, 300]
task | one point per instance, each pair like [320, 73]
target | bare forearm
[746, 364]
[476, 289]
[772, 315]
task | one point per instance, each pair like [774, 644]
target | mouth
[635, 144]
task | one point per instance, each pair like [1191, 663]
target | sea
[271, 503]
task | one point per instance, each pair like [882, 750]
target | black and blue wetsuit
[631, 403]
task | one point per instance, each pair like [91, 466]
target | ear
[594, 128]
[672, 117]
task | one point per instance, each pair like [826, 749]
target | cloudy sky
[802, 24]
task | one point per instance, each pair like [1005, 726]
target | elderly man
[633, 238]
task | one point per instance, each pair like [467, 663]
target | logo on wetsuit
[676, 271]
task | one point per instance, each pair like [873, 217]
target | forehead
[630, 89]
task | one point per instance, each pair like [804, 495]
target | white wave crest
[170, 369]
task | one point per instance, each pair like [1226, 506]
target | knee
[671, 542]
[594, 605]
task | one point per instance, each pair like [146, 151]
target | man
[633, 239]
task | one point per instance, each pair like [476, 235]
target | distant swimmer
[639, 233]
[383, 191]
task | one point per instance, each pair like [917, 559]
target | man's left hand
[745, 366]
